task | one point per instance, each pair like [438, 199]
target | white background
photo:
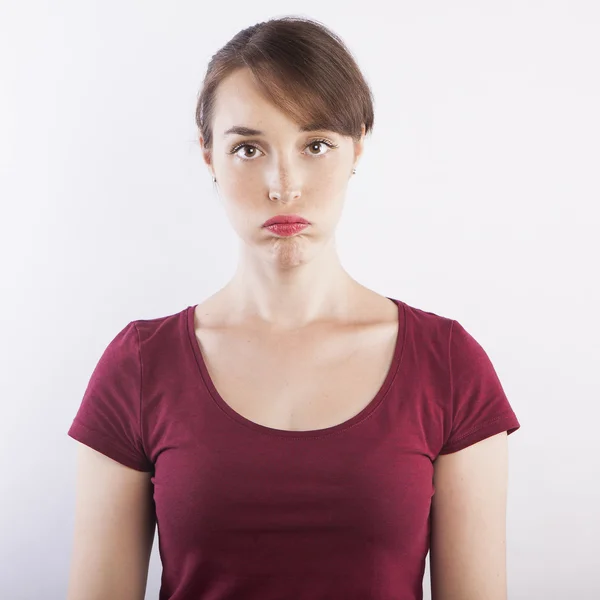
[477, 198]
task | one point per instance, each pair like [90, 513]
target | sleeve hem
[101, 443]
[505, 422]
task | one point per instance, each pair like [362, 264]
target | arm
[468, 530]
[114, 530]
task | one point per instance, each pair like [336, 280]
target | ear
[206, 156]
[359, 146]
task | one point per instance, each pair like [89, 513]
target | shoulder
[149, 327]
[427, 329]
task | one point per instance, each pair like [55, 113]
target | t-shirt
[249, 512]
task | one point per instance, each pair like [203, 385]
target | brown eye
[250, 149]
[248, 152]
[244, 155]
[318, 144]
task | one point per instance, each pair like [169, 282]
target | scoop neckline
[311, 433]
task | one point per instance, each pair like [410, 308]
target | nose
[285, 195]
[283, 186]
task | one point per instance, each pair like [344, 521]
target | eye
[319, 143]
[237, 148]
[312, 143]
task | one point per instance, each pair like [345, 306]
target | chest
[299, 381]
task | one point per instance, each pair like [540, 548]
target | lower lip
[287, 229]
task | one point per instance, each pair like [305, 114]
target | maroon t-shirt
[249, 512]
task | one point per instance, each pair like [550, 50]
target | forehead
[239, 101]
[239, 85]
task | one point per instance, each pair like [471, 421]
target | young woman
[296, 434]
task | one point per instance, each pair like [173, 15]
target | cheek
[245, 210]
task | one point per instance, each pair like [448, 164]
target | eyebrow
[242, 130]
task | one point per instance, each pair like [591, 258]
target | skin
[468, 531]
[282, 282]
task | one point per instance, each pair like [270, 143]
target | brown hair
[305, 70]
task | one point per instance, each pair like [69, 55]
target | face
[280, 171]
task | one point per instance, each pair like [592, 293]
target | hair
[302, 67]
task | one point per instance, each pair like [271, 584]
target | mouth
[286, 229]
[286, 220]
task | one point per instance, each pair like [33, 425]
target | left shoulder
[468, 526]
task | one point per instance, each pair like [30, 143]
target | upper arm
[468, 528]
[114, 529]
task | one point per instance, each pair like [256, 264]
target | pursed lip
[285, 219]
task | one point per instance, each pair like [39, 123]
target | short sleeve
[109, 416]
[479, 407]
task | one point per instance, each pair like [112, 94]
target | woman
[295, 435]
